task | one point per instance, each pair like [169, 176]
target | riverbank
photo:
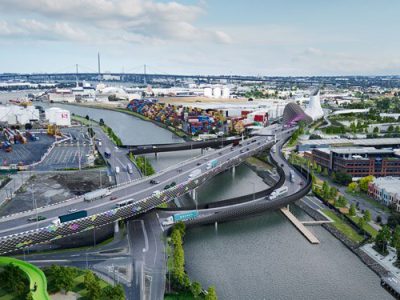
[121, 109]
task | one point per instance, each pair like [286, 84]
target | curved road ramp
[35, 275]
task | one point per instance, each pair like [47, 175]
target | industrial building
[358, 161]
[18, 115]
[386, 190]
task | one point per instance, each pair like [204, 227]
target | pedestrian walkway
[309, 236]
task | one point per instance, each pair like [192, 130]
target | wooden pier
[307, 233]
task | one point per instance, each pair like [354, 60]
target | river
[263, 257]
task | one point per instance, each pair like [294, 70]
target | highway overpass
[17, 233]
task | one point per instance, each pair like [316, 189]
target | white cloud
[135, 20]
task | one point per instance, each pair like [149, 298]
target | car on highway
[39, 218]
[173, 183]
[154, 181]
[166, 187]
[198, 164]
[113, 198]
[72, 210]
[156, 193]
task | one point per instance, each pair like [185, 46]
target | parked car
[154, 181]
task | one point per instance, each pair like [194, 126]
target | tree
[352, 187]
[341, 202]
[315, 166]
[361, 223]
[325, 190]
[14, 280]
[325, 172]
[333, 192]
[196, 289]
[376, 129]
[382, 239]
[319, 169]
[342, 178]
[395, 241]
[352, 210]
[390, 128]
[211, 294]
[87, 117]
[114, 292]
[367, 216]
[101, 122]
[29, 296]
[92, 285]
[363, 183]
[61, 277]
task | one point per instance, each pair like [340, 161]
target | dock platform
[307, 233]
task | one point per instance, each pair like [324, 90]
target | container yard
[194, 120]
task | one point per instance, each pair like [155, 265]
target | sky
[253, 37]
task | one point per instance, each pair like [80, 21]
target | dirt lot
[48, 188]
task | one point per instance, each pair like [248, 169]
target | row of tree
[61, 279]
[180, 280]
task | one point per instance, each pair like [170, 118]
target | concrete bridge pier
[202, 151]
[155, 154]
[233, 171]
[194, 194]
[116, 227]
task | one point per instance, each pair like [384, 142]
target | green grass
[370, 200]
[34, 274]
[368, 228]
[343, 227]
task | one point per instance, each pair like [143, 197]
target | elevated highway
[230, 210]
[17, 233]
[144, 149]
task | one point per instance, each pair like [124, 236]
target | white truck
[168, 221]
[278, 192]
[194, 173]
[96, 194]
[117, 170]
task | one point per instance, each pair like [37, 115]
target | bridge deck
[311, 237]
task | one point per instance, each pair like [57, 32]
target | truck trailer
[278, 192]
[70, 217]
[194, 173]
[96, 194]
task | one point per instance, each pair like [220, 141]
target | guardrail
[251, 208]
[53, 232]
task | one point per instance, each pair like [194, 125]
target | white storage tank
[208, 92]
[226, 93]
[217, 92]
[58, 116]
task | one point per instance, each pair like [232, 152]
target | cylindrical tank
[217, 92]
[208, 92]
[226, 92]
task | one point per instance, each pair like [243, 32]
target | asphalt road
[137, 190]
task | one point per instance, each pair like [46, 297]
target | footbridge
[125, 200]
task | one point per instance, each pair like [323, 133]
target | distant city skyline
[261, 37]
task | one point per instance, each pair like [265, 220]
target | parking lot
[65, 157]
[27, 153]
